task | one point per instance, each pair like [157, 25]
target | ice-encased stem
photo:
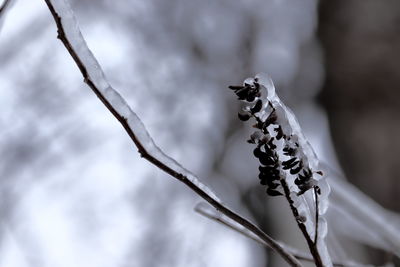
[71, 37]
[302, 203]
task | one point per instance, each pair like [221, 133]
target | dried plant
[288, 165]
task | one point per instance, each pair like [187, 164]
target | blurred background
[73, 189]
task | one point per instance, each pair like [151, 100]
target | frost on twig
[206, 211]
[288, 164]
[70, 35]
[361, 218]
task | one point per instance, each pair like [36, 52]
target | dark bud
[273, 192]
[263, 176]
[263, 181]
[264, 140]
[243, 117]
[257, 152]
[270, 153]
[318, 190]
[243, 93]
[250, 141]
[288, 164]
[272, 185]
[301, 218]
[269, 173]
[263, 169]
[301, 179]
[235, 87]
[289, 161]
[298, 169]
[288, 151]
[304, 183]
[270, 145]
[303, 188]
[307, 173]
[266, 160]
[257, 107]
[251, 97]
[298, 181]
[279, 132]
[320, 173]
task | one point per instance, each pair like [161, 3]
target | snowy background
[75, 192]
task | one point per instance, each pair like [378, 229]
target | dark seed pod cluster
[247, 92]
[269, 169]
[265, 138]
[287, 162]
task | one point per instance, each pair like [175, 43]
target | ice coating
[362, 218]
[118, 103]
[291, 127]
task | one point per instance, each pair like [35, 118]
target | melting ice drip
[288, 163]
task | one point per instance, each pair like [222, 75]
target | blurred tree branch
[4, 6]
[63, 16]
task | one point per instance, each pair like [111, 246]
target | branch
[316, 215]
[4, 6]
[71, 37]
[300, 223]
[204, 210]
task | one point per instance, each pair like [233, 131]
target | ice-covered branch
[206, 211]
[71, 37]
[361, 218]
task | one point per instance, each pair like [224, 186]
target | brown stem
[290, 259]
[311, 245]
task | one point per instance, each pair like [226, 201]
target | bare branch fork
[311, 244]
[71, 37]
[206, 211]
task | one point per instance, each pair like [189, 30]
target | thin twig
[203, 209]
[316, 215]
[313, 248]
[4, 6]
[135, 136]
